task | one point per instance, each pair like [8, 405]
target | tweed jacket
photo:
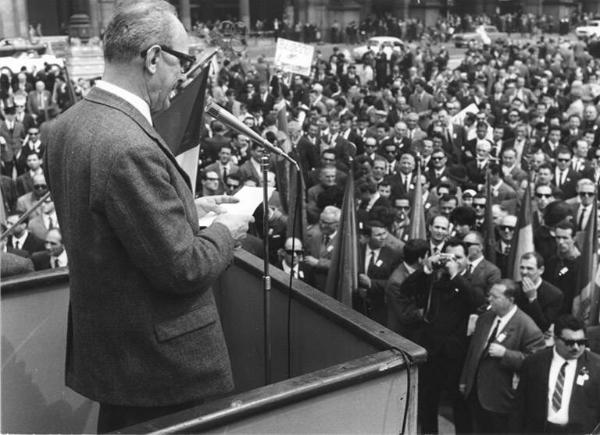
[143, 326]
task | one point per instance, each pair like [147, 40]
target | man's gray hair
[136, 27]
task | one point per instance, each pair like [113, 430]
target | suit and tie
[488, 382]
[483, 276]
[319, 246]
[531, 407]
[222, 172]
[378, 266]
[402, 313]
[31, 244]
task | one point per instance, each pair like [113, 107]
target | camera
[443, 259]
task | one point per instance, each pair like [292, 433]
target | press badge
[500, 338]
[581, 379]
[378, 263]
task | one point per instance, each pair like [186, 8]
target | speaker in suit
[140, 266]
[503, 337]
[538, 407]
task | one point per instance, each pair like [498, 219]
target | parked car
[592, 28]
[481, 34]
[389, 44]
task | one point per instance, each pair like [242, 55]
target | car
[32, 60]
[482, 34]
[590, 30]
[389, 44]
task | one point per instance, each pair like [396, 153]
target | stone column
[245, 13]
[80, 25]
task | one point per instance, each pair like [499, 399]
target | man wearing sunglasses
[559, 387]
[582, 205]
[145, 337]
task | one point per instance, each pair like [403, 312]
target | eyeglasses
[469, 244]
[402, 207]
[588, 194]
[232, 186]
[40, 186]
[543, 195]
[506, 228]
[570, 343]
[212, 179]
[33, 133]
[563, 160]
[292, 252]
[478, 205]
[185, 60]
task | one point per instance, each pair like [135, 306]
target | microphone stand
[264, 164]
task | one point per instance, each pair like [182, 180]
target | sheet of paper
[250, 198]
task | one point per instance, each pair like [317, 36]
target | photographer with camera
[447, 298]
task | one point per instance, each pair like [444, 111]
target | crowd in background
[511, 119]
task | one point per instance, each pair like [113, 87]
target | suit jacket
[33, 103]
[402, 313]
[569, 186]
[156, 338]
[379, 273]
[13, 140]
[9, 193]
[248, 171]
[545, 308]
[24, 183]
[32, 243]
[314, 246]
[494, 376]
[309, 154]
[531, 408]
[444, 333]
[484, 276]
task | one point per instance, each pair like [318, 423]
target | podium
[332, 370]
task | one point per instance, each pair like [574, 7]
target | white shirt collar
[131, 98]
[506, 318]
[21, 239]
[62, 259]
[475, 263]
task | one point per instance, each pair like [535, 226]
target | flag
[522, 241]
[418, 229]
[342, 278]
[296, 210]
[488, 224]
[181, 124]
[585, 302]
[70, 89]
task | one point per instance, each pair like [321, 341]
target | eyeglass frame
[178, 54]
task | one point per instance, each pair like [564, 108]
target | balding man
[506, 231]
[140, 266]
[25, 202]
[290, 260]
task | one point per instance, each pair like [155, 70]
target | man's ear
[152, 58]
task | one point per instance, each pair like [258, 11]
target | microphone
[232, 122]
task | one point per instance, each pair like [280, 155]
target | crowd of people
[511, 118]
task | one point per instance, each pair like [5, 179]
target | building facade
[55, 17]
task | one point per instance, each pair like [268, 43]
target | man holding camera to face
[447, 298]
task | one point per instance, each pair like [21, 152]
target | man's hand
[496, 350]
[206, 204]
[236, 223]
[364, 280]
[310, 260]
[529, 289]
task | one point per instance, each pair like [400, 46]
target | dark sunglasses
[570, 343]
[588, 194]
[469, 244]
[478, 205]
[233, 186]
[437, 159]
[563, 160]
[400, 207]
[185, 60]
[292, 252]
[40, 186]
[506, 228]
[543, 195]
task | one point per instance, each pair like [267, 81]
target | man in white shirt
[559, 386]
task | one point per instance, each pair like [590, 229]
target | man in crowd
[319, 244]
[21, 238]
[481, 273]
[558, 386]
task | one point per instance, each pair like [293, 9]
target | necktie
[558, 388]
[470, 269]
[17, 244]
[493, 335]
[581, 216]
[326, 240]
[55, 263]
[224, 173]
[506, 249]
[371, 262]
